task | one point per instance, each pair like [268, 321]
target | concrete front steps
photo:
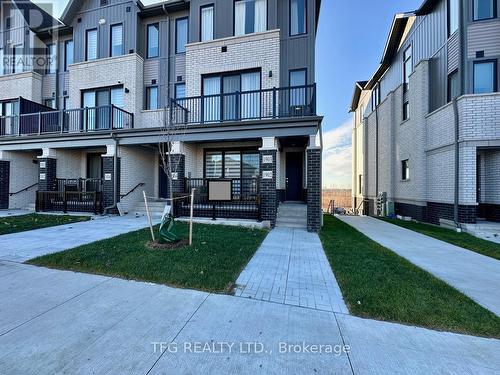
[292, 215]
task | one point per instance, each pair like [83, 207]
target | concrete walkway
[63, 322]
[475, 275]
[7, 213]
[291, 267]
[19, 247]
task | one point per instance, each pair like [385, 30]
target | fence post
[112, 124]
[61, 120]
[65, 202]
[39, 123]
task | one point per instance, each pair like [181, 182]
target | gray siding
[453, 53]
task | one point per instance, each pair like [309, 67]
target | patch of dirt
[154, 245]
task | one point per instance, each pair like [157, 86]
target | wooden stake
[149, 216]
[191, 218]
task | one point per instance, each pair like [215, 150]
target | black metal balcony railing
[67, 121]
[86, 185]
[272, 103]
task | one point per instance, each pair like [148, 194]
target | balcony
[79, 120]
[275, 103]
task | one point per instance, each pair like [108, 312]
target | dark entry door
[163, 182]
[294, 176]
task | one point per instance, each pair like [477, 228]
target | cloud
[337, 156]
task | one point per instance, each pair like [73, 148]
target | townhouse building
[88, 101]
[427, 124]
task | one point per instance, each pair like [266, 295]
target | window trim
[290, 71]
[234, 20]
[306, 24]
[147, 39]
[405, 176]
[211, 5]
[495, 12]
[221, 75]
[66, 42]
[495, 73]
[87, 43]
[146, 99]
[177, 20]
[111, 39]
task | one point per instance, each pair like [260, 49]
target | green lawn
[14, 224]
[464, 240]
[218, 255]
[377, 283]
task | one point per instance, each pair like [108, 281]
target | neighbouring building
[427, 124]
[87, 101]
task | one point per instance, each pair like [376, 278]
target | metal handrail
[25, 189]
[133, 189]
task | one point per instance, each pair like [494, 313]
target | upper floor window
[51, 103]
[407, 67]
[298, 79]
[207, 23]
[181, 34]
[68, 54]
[453, 85]
[485, 76]
[484, 9]
[2, 71]
[153, 41]
[406, 110]
[405, 170]
[17, 59]
[152, 97]
[250, 16]
[91, 45]
[51, 58]
[453, 16]
[116, 40]
[375, 96]
[298, 17]
[180, 91]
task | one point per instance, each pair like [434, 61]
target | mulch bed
[155, 245]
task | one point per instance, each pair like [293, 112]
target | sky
[349, 45]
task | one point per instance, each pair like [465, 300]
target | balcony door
[232, 97]
[97, 104]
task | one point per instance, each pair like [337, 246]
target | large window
[485, 76]
[153, 41]
[298, 17]
[91, 45]
[484, 9]
[98, 107]
[407, 67]
[68, 54]
[375, 96]
[2, 67]
[116, 40]
[180, 91]
[207, 23]
[453, 85]
[151, 97]
[250, 16]
[298, 79]
[51, 58]
[241, 166]
[234, 95]
[453, 16]
[181, 34]
[17, 59]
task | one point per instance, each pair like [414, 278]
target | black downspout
[457, 160]
[376, 155]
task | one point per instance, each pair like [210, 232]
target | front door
[294, 176]
[163, 181]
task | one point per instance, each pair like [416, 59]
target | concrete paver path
[291, 267]
[475, 275]
[54, 322]
[19, 247]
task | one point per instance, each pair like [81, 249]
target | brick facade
[4, 184]
[268, 194]
[313, 190]
[47, 168]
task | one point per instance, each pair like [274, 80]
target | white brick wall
[260, 50]
[27, 84]
[479, 117]
[137, 166]
[440, 127]
[23, 173]
[441, 176]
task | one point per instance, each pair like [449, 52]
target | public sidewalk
[475, 275]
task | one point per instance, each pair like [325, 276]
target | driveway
[291, 267]
[19, 247]
[475, 275]
[64, 322]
